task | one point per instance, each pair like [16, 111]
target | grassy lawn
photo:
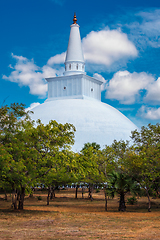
[69, 218]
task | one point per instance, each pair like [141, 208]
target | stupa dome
[76, 98]
[94, 121]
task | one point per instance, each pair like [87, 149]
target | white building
[76, 98]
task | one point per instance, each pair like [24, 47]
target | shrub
[131, 200]
[39, 198]
[97, 190]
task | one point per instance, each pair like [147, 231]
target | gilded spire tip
[74, 19]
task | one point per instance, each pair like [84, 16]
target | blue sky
[120, 40]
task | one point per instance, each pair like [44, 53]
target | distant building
[76, 98]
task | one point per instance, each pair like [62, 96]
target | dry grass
[69, 218]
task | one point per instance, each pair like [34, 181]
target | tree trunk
[149, 201]
[90, 192]
[49, 192]
[14, 199]
[77, 186]
[82, 192]
[18, 195]
[122, 206]
[5, 196]
[31, 195]
[21, 198]
[52, 193]
[105, 199]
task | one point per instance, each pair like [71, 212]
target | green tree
[33, 149]
[143, 161]
[107, 165]
[120, 183]
[12, 137]
[120, 180]
[62, 173]
[5, 161]
[90, 155]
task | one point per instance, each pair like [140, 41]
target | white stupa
[76, 98]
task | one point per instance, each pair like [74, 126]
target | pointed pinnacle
[74, 19]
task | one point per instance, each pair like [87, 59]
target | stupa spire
[75, 19]
[74, 62]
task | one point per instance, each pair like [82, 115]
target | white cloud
[32, 106]
[102, 47]
[57, 59]
[125, 86]
[10, 66]
[153, 94]
[151, 23]
[146, 30]
[26, 73]
[21, 58]
[52, 72]
[150, 113]
[107, 46]
[100, 77]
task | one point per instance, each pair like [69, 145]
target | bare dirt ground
[69, 218]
